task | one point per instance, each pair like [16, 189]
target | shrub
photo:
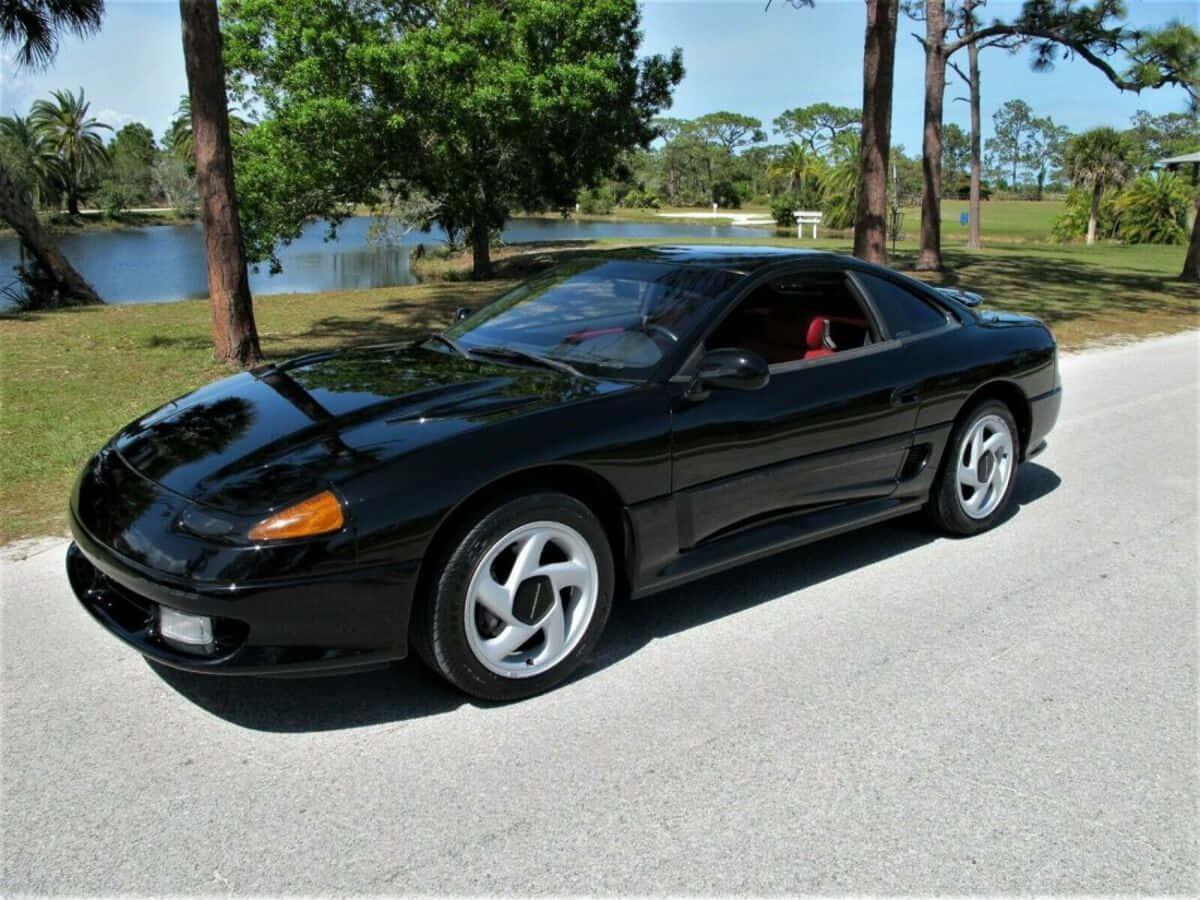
[725, 195]
[639, 198]
[597, 201]
[782, 208]
[1153, 209]
[113, 198]
[1072, 222]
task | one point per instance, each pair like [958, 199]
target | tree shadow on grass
[407, 690]
[1059, 287]
[185, 342]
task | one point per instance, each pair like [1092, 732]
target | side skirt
[770, 538]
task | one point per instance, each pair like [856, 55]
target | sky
[738, 55]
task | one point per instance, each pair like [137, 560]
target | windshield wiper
[449, 342]
[525, 355]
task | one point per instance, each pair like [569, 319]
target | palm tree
[31, 161]
[843, 181]
[75, 139]
[799, 165]
[179, 139]
[1097, 159]
[35, 25]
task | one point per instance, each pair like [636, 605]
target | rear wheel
[521, 600]
[978, 472]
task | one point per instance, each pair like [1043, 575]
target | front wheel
[522, 599]
[978, 472]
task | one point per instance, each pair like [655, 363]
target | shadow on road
[407, 690]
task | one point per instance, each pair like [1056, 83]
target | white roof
[1179, 160]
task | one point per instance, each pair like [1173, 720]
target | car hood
[259, 440]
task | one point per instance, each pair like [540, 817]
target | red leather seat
[818, 341]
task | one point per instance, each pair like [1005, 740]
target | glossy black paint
[688, 475]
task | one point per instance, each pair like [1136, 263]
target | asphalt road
[889, 712]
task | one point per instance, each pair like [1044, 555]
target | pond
[166, 262]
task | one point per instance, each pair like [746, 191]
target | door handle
[902, 396]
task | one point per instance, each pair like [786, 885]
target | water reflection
[140, 265]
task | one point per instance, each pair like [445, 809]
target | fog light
[193, 633]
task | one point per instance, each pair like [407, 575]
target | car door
[822, 432]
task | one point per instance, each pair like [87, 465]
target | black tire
[440, 626]
[946, 506]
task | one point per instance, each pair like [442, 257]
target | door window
[905, 313]
[802, 316]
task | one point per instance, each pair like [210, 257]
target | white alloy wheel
[531, 599]
[984, 466]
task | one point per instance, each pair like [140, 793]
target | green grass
[1002, 221]
[69, 379]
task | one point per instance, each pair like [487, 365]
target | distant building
[1182, 164]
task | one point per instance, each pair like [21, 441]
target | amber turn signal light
[316, 515]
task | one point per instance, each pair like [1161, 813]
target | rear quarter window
[904, 312]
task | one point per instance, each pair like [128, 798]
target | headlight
[316, 515]
[211, 525]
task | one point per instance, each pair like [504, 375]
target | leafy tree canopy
[730, 131]
[480, 107]
[818, 125]
[1160, 137]
[134, 141]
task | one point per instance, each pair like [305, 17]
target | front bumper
[293, 626]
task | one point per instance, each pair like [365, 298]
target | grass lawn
[71, 378]
[1001, 220]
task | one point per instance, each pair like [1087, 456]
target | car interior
[794, 318]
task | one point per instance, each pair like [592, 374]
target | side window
[801, 316]
[906, 314]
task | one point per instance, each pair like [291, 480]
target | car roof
[734, 257]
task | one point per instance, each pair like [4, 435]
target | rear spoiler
[966, 298]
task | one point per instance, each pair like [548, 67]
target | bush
[597, 201]
[1072, 223]
[725, 195]
[113, 198]
[808, 196]
[1153, 209]
[639, 198]
[959, 188]
[782, 208]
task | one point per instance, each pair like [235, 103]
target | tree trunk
[974, 241]
[1041, 180]
[481, 251]
[879, 57]
[1191, 265]
[1094, 215]
[930, 257]
[17, 212]
[235, 338]
[73, 204]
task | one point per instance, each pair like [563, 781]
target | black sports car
[625, 423]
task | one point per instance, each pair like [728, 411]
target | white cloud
[16, 86]
[117, 119]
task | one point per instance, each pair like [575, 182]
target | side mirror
[461, 313]
[733, 369]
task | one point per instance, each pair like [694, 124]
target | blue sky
[738, 57]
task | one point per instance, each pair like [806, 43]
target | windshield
[610, 318]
